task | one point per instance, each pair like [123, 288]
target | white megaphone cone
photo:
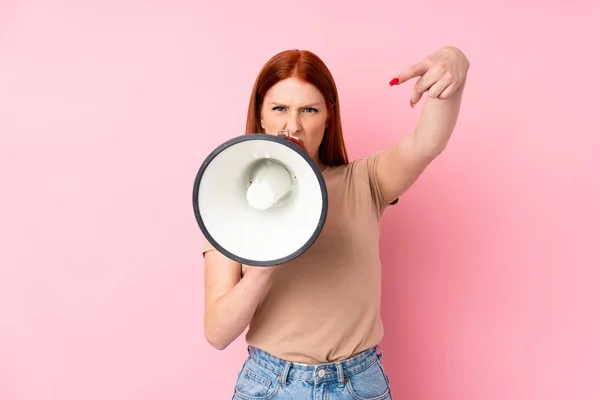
[260, 199]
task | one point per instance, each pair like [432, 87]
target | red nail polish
[394, 81]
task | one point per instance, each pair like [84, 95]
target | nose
[293, 123]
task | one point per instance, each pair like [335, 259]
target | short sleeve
[366, 168]
[206, 246]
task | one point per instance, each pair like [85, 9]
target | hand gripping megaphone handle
[286, 134]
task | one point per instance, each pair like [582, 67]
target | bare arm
[230, 300]
[443, 75]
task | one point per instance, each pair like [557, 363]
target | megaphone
[260, 199]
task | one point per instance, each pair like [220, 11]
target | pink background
[107, 109]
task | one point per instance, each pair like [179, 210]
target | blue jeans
[264, 376]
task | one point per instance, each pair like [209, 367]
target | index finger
[411, 72]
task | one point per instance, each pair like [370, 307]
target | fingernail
[394, 81]
[411, 104]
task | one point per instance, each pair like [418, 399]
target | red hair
[308, 67]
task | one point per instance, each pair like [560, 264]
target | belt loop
[284, 374]
[340, 374]
[380, 354]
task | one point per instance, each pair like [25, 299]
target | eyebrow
[317, 103]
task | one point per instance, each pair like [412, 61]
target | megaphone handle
[292, 139]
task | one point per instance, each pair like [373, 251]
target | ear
[262, 121]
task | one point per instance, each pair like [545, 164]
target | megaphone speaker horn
[260, 199]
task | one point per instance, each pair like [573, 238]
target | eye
[311, 110]
[278, 108]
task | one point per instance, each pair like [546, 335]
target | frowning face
[299, 108]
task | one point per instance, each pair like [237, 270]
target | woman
[314, 323]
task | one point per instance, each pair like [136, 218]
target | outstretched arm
[443, 75]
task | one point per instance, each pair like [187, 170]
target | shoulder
[360, 175]
[365, 168]
[361, 168]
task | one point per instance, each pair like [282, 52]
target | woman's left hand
[441, 74]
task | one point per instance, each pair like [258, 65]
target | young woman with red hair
[314, 323]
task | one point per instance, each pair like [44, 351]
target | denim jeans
[264, 376]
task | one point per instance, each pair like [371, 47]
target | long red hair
[308, 67]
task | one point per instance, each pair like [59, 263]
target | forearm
[437, 122]
[228, 316]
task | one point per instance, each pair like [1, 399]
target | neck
[321, 165]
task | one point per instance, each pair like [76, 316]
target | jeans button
[321, 373]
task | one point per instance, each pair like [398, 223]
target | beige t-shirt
[324, 305]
